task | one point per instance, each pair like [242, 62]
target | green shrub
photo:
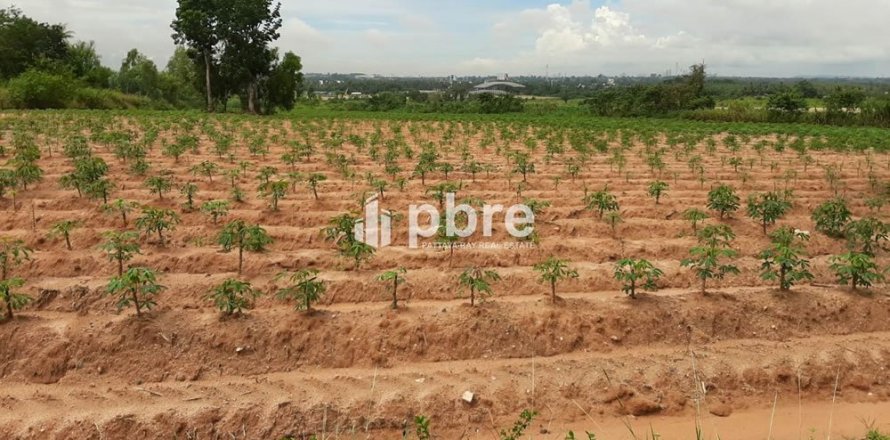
[5, 102]
[102, 99]
[41, 90]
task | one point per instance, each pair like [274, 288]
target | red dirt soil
[71, 366]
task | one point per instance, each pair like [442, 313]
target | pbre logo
[375, 229]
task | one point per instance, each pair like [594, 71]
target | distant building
[500, 86]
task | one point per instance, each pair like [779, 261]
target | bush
[491, 104]
[5, 103]
[101, 99]
[41, 90]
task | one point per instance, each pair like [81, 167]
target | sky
[778, 38]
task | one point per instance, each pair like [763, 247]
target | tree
[694, 216]
[216, 209]
[139, 75]
[157, 220]
[785, 106]
[159, 185]
[137, 286]
[782, 261]
[601, 201]
[13, 300]
[767, 208]
[705, 260]
[304, 288]
[248, 27]
[656, 190]
[478, 280]
[831, 217]
[120, 207]
[867, 235]
[197, 25]
[724, 200]
[233, 296]
[285, 83]
[181, 79]
[26, 43]
[856, 268]
[637, 274]
[552, 271]
[396, 277]
[845, 100]
[240, 235]
[63, 229]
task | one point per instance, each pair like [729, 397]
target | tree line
[223, 51]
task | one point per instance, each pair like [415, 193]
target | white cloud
[744, 37]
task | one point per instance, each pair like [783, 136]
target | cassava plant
[12, 299]
[157, 221]
[120, 247]
[394, 278]
[245, 237]
[137, 286]
[120, 207]
[478, 281]
[657, 189]
[552, 271]
[767, 208]
[724, 200]
[233, 296]
[637, 274]
[63, 229]
[216, 209]
[303, 287]
[858, 269]
[695, 216]
[707, 259]
[784, 260]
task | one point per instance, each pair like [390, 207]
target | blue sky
[584, 37]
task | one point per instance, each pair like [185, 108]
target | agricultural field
[158, 269]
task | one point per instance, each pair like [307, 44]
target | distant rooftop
[490, 84]
[489, 92]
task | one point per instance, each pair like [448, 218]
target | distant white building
[500, 86]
